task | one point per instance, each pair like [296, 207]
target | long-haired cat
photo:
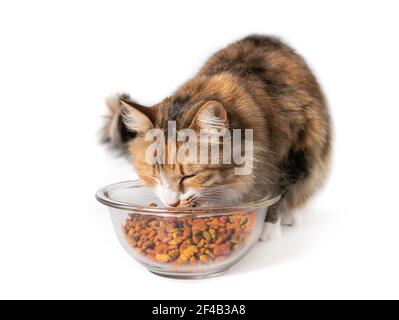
[256, 83]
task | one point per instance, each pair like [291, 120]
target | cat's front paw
[292, 218]
[271, 231]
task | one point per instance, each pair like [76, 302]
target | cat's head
[187, 165]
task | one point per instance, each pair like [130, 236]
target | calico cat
[256, 83]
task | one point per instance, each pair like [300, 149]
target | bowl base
[189, 276]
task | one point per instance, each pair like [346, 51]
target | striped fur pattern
[256, 83]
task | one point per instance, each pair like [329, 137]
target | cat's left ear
[211, 116]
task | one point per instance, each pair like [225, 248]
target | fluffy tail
[114, 131]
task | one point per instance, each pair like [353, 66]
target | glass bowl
[182, 242]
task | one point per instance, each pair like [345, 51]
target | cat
[257, 83]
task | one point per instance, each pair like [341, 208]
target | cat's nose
[174, 204]
[171, 198]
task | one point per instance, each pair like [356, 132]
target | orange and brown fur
[256, 83]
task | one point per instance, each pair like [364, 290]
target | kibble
[187, 240]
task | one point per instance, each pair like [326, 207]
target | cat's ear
[211, 116]
[137, 118]
[125, 120]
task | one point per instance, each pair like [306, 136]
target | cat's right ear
[136, 117]
[125, 120]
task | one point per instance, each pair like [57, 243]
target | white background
[59, 60]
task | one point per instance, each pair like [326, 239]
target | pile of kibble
[186, 240]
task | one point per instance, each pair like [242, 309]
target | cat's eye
[187, 177]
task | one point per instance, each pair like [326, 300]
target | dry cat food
[186, 240]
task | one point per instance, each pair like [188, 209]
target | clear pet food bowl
[182, 242]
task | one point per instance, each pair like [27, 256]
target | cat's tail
[114, 131]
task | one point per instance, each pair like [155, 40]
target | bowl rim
[103, 196]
